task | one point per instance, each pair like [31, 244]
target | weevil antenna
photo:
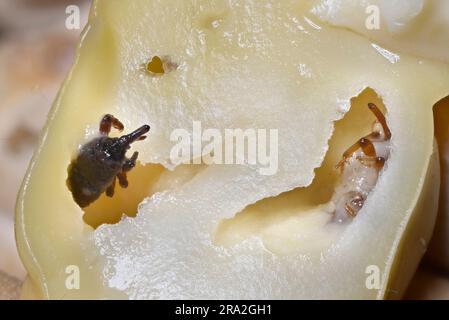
[381, 118]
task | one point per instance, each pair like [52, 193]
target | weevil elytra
[360, 168]
[101, 161]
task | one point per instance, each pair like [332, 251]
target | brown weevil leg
[122, 179]
[348, 154]
[381, 118]
[365, 144]
[377, 162]
[354, 205]
[110, 189]
[109, 121]
[380, 162]
[367, 147]
[349, 211]
[130, 163]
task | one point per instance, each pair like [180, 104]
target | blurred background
[36, 53]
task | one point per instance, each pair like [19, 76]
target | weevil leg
[127, 166]
[353, 206]
[377, 162]
[347, 154]
[365, 144]
[381, 118]
[130, 163]
[122, 179]
[109, 121]
[111, 188]
[367, 147]
[349, 211]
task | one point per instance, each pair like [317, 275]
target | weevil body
[360, 167]
[101, 161]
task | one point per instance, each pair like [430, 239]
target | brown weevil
[101, 161]
[360, 167]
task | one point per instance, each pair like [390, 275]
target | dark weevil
[101, 161]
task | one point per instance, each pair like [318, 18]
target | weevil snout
[136, 135]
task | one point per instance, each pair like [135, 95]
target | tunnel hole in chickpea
[144, 181]
[260, 218]
[125, 201]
